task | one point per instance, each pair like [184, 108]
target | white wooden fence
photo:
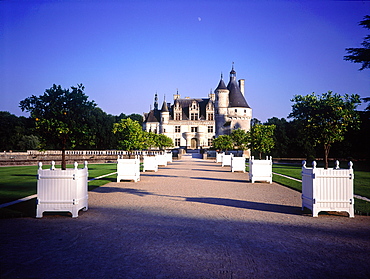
[327, 189]
[62, 190]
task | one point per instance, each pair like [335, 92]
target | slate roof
[164, 107]
[152, 116]
[236, 98]
[221, 85]
[186, 103]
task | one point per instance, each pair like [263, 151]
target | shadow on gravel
[285, 209]
[220, 179]
[132, 191]
[117, 243]
[222, 170]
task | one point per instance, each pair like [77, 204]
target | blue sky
[126, 51]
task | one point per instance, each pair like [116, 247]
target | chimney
[241, 85]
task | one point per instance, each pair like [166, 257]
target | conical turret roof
[221, 84]
[236, 98]
[164, 107]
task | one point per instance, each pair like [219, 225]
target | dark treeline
[19, 133]
[290, 144]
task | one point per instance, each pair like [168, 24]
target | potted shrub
[237, 164]
[128, 169]
[62, 120]
[327, 189]
[260, 170]
[62, 190]
[150, 163]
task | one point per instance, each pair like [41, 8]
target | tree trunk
[64, 163]
[260, 155]
[326, 155]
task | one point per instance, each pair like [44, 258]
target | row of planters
[61, 190]
[259, 170]
[322, 189]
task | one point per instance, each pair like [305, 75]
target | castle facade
[193, 123]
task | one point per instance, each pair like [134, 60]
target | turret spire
[156, 101]
[232, 73]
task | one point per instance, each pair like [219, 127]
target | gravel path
[191, 219]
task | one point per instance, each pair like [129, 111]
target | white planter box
[162, 160]
[62, 190]
[169, 157]
[260, 170]
[128, 169]
[219, 157]
[150, 163]
[327, 189]
[238, 164]
[226, 160]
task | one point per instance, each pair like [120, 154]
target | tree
[361, 54]
[29, 142]
[61, 116]
[325, 119]
[261, 138]
[130, 135]
[280, 137]
[223, 142]
[136, 117]
[162, 141]
[149, 139]
[240, 139]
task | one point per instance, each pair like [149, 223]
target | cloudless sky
[123, 52]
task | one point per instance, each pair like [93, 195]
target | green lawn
[361, 183]
[20, 182]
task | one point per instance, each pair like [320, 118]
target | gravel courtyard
[191, 219]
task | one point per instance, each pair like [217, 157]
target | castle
[194, 123]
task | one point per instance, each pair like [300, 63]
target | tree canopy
[130, 135]
[223, 142]
[361, 54]
[239, 138]
[61, 116]
[325, 118]
[261, 138]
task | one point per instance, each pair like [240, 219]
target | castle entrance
[193, 143]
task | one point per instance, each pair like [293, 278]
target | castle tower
[165, 117]
[221, 105]
[239, 112]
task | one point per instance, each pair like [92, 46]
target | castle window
[194, 129]
[236, 110]
[177, 116]
[177, 129]
[210, 129]
[177, 142]
[193, 116]
[210, 142]
[210, 116]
